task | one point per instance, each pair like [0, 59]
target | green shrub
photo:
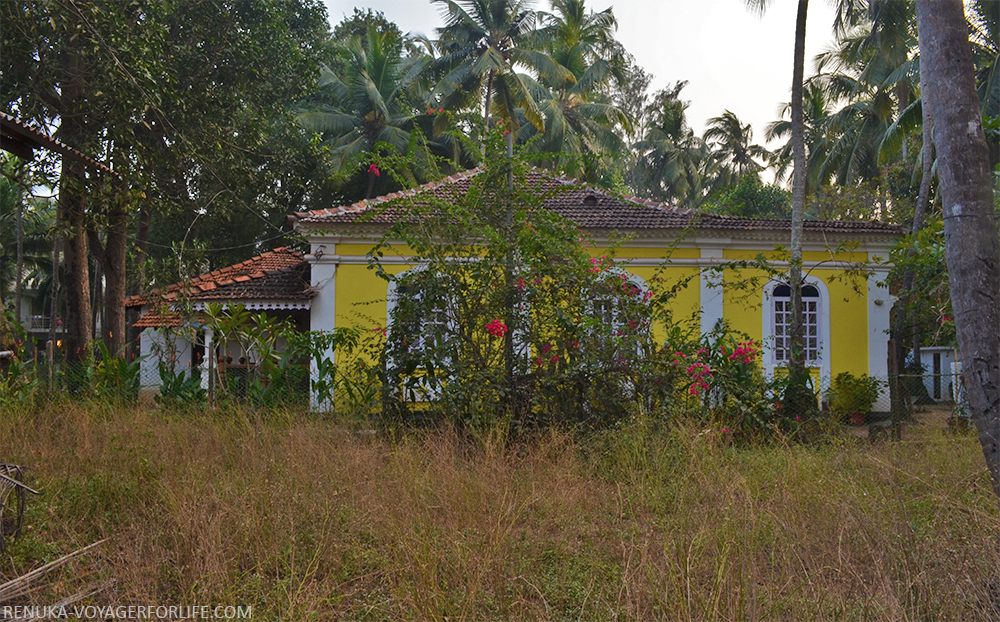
[850, 393]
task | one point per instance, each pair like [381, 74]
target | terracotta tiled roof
[281, 274]
[587, 207]
[160, 317]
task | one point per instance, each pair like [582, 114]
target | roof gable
[281, 274]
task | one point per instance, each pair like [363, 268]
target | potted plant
[853, 396]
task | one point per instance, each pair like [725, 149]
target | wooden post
[50, 361]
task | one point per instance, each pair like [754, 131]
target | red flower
[374, 169]
[496, 328]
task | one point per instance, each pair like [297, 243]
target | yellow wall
[847, 342]
[361, 294]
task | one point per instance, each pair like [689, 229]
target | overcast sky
[732, 58]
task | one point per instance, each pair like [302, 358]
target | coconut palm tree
[581, 124]
[799, 390]
[671, 160]
[481, 44]
[731, 143]
[817, 109]
[368, 104]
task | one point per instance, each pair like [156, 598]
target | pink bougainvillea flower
[798, 418]
[546, 348]
[496, 328]
[374, 169]
[539, 362]
[554, 359]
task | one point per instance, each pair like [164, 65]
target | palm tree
[671, 159]
[816, 114]
[732, 149]
[580, 121]
[966, 189]
[577, 39]
[368, 104]
[480, 46]
[796, 370]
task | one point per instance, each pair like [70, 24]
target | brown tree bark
[797, 361]
[972, 246]
[111, 257]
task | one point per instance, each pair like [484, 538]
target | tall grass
[305, 519]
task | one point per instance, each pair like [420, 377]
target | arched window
[781, 304]
[420, 317]
[618, 304]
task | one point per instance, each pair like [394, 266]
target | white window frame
[781, 309]
[423, 391]
[822, 359]
[613, 320]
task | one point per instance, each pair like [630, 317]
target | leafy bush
[179, 389]
[512, 315]
[850, 393]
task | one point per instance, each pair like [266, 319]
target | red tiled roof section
[281, 274]
[587, 207]
[158, 318]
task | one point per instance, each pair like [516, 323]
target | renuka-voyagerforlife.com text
[127, 612]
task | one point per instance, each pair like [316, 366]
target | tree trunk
[18, 285]
[972, 246]
[489, 97]
[72, 212]
[924, 198]
[54, 302]
[111, 258]
[797, 361]
[77, 286]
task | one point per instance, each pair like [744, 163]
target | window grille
[782, 305]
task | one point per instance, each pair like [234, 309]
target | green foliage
[849, 393]
[18, 384]
[347, 370]
[510, 317]
[751, 198]
[178, 390]
[112, 376]
[929, 300]
[719, 375]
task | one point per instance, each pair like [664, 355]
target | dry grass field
[308, 518]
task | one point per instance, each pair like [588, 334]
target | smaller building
[938, 375]
[276, 283]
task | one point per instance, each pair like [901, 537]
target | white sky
[731, 58]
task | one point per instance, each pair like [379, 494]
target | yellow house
[847, 315]
[846, 301]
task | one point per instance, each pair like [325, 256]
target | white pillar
[879, 305]
[322, 308]
[206, 363]
[711, 293]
